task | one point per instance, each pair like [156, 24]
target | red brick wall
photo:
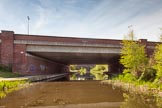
[147, 44]
[27, 64]
[150, 51]
[7, 38]
[19, 61]
[38, 66]
[0, 48]
[0, 53]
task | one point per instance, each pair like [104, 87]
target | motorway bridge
[41, 55]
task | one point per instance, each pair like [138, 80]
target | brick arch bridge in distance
[40, 55]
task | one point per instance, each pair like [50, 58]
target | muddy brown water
[73, 94]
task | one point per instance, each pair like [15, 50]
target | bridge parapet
[65, 39]
[29, 42]
[72, 49]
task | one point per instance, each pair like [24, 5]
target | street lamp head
[22, 52]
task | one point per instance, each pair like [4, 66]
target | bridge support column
[7, 48]
[65, 69]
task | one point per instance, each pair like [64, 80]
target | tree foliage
[98, 72]
[100, 68]
[161, 35]
[82, 71]
[72, 68]
[149, 74]
[133, 56]
[158, 60]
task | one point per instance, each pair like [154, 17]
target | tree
[73, 76]
[158, 61]
[98, 72]
[161, 35]
[82, 71]
[133, 56]
[73, 68]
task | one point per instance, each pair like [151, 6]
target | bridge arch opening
[88, 71]
[66, 59]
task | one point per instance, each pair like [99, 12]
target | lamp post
[131, 32]
[28, 18]
[22, 54]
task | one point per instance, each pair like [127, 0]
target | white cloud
[42, 18]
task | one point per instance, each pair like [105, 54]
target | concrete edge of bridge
[36, 78]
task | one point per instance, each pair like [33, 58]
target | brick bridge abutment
[15, 58]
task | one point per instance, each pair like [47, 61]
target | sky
[107, 19]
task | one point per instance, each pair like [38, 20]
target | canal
[75, 94]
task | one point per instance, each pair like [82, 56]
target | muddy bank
[139, 89]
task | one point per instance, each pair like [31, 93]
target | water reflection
[2, 94]
[133, 100]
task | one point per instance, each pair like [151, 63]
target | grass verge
[7, 74]
[9, 86]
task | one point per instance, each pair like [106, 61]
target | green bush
[133, 57]
[148, 75]
[158, 62]
[126, 77]
[9, 84]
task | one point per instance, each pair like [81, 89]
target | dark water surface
[78, 94]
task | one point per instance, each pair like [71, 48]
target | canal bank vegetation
[5, 73]
[9, 86]
[141, 74]
[6, 85]
[132, 100]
